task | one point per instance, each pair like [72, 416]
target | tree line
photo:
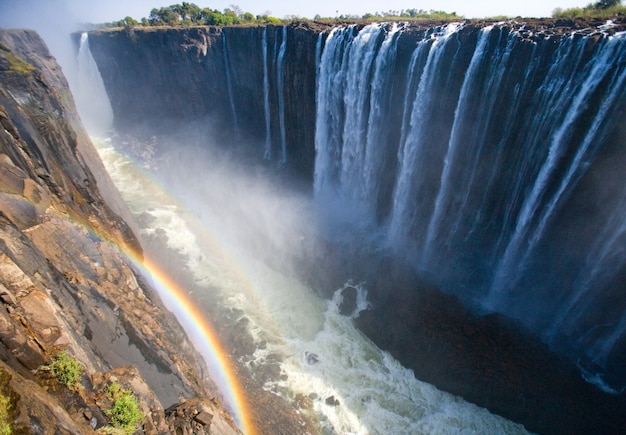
[605, 9]
[190, 14]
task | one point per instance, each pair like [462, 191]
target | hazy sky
[16, 11]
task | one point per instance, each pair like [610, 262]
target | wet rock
[302, 401]
[331, 401]
[204, 418]
[22, 347]
[41, 313]
[348, 303]
[488, 360]
[311, 358]
[64, 283]
[197, 416]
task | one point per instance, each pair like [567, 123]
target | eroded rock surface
[65, 279]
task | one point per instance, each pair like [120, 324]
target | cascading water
[280, 82]
[92, 100]
[417, 146]
[353, 387]
[501, 144]
[274, 93]
[267, 155]
[229, 83]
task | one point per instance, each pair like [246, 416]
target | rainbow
[203, 335]
[188, 312]
[197, 326]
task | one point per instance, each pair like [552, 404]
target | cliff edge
[66, 283]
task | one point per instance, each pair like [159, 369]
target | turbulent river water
[218, 224]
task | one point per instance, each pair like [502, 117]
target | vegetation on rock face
[15, 63]
[8, 402]
[604, 9]
[66, 369]
[125, 413]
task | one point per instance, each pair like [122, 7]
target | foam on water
[353, 387]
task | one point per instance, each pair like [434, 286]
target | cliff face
[516, 124]
[252, 84]
[64, 281]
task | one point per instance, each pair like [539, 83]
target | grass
[125, 413]
[16, 64]
[66, 369]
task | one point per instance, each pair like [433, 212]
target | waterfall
[280, 83]
[574, 98]
[414, 149]
[91, 97]
[499, 148]
[267, 155]
[352, 104]
[229, 83]
[461, 114]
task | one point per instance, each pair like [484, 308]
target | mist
[257, 247]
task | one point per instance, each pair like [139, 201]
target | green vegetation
[190, 14]
[394, 15]
[125, 413]
[66, 369]
[16, 64]
[5, 411]
[604, 9]
[8, 402]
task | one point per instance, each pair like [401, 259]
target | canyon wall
[218, 82]
[487, 154]
[66, 281]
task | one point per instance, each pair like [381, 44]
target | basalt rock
[65, 280]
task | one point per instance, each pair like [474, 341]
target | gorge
[479, 158]
[353, 211]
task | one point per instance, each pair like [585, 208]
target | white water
[216, 228]
[574, 100]
[267, 155]
[376, 395]
[412, 150]
[280, 83]
[229, 84]
[91, 97]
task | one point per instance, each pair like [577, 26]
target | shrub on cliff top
[603, 9]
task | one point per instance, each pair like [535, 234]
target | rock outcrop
[66, 282]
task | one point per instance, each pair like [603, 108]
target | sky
[113, 10]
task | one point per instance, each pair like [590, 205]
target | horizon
[19, 13]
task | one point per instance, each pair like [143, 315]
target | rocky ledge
[65, 284]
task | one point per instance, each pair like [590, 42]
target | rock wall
[64, 281]
[214, 83]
